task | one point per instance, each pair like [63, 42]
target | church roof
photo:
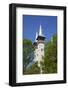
[40, 36]
[35, 43]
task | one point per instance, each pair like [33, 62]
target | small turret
[36, 36]
[35, 43]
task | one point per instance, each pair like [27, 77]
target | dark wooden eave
[35, 43]
[40, 38]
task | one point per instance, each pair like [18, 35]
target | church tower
[39, 47]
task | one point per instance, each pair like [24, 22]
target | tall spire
[40, 31]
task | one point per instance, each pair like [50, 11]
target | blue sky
[32, 23]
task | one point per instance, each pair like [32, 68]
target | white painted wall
[4, 44]
[40, 53]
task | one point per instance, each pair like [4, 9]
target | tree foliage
[34, 69]
[50, 58]
[27, 51]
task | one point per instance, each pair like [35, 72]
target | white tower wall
[39, 50]
[40, 53]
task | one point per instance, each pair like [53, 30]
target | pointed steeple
[40, 31]
[40, 35]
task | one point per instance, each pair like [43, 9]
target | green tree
[34, 69]
[27, 51]
[50, 59]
